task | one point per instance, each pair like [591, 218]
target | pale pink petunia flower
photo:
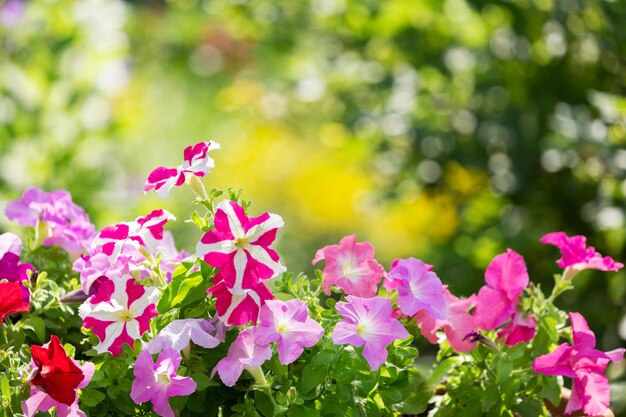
[179, 333]
[368, 322]
[119, 313]
[577, 256]
[240, 246]
[520, 329]
[63, 223]
[350, 266]
[506, 278]
[243, 354]
[39, 400]
[144, 232]
[238, 308]
[458, 324]
[196, 162]
[585, 365]
[418, 288]
[156, 382]
[288, 324]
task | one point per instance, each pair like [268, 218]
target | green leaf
[490, 397]
[203, 381]
[301, 411]
[503, 370]
[182, 291]
[91, 397]
[442, 369]
[312, 376]
[550, 389]
[263, 404]
[39, 327]
[5, 389]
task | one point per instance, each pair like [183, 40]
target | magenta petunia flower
[157, 381]
[418, 288]
[520, 329]
[238, 308]
[240, 245]
[196, 162]
[10, 267]
[144, 232]
[57, 374]
[243, 353]
[458, 324]
[368, 322]
[585, 365]
[66, 224]
[350, 266]
[576, 255]
[119, 313]
[506, 278]
[288, 323]
[178, 334]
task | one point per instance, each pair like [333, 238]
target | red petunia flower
[11, 299]
[57, 374]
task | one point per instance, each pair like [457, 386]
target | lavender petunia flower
[418, 288]
[368, 322]
[156, 382]
[178, 334]
[288, 324]
[244, 353]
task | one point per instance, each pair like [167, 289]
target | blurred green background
[445, 130]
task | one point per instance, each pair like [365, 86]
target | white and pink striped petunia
[241, 308]
[143, 232]
[240, 246]
[196, 162]
[119, 313]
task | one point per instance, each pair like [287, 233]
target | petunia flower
[238, 308]
[178, 334]
[10, 267]
[576, 256]
[288, 323]
[368, 322]
[585, 365]
[458, 324]
[506, 277]
[121, 315]
[11, 300]
[350, 266]
[196, 162]
[157, 381]
[418, 288]
[63, 222]
[243, 353]
[520, 329]
[144, 232]
[55, 374]
[240, 245]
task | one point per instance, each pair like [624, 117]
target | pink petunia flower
[240, 245]
[119, 313]
[585, 365]
[288, 323]
[66, 224]
[577, 256]
[418, 288]
[238, 308]
[243, 353]
[350, 266]
[157, 381]
[10, 267]
[179, 333]
[506, 278]
[368, 322]
[196, 162]
[39, 400]
[144, 232]
[520, 329]
[458, 324]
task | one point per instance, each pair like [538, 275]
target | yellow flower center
[163, 379]
[281, 327]
[241, 242]
[126, 315]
